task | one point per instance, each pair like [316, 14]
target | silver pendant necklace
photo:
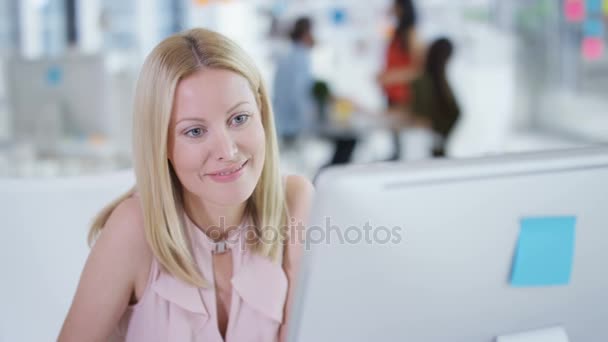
[221, 247]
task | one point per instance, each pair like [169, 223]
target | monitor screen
[51, 99]
[431, 251]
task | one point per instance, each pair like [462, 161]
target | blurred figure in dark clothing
[433, 98]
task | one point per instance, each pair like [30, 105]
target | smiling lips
[228, 174]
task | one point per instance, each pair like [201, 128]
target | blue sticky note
[593, 28]
[593, 6]
[54, 75]
[338, 16]
[545, 252]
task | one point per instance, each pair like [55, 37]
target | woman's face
[216, 138]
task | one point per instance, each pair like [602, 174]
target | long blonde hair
[160, 192]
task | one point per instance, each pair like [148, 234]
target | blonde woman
[205, 247]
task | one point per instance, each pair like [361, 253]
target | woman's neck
[214, 220]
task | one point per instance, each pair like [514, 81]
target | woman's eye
[195, 132]
[240, 119]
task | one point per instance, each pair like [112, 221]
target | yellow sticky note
[605, 7]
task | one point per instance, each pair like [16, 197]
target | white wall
[43, 248]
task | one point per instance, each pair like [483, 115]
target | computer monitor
[54, 98]
[438, 262]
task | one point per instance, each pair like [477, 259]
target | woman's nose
[225, 147]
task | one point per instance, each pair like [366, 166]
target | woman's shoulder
[297, 186]
[127, 213]
[125, 226]
[298, 194]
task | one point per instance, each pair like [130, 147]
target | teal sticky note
[54, 75]
[594, 6]
[545, 252]
[593, 28]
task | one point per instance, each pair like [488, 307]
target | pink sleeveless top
[172, 310]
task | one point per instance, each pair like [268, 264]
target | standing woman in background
[434, 102]
[203, 248]
[402, 63]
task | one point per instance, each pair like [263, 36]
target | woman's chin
[227, 195]
[232, 199]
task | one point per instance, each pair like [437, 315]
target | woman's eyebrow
[230, 110]
[236, 106]
[191, 119]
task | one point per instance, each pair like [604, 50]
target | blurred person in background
[403, 61]
[434, 102]
[203, 247]
[293, 85]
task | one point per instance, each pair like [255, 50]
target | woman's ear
[170, 155]
[169, 145]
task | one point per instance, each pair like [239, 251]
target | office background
[528, 74]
